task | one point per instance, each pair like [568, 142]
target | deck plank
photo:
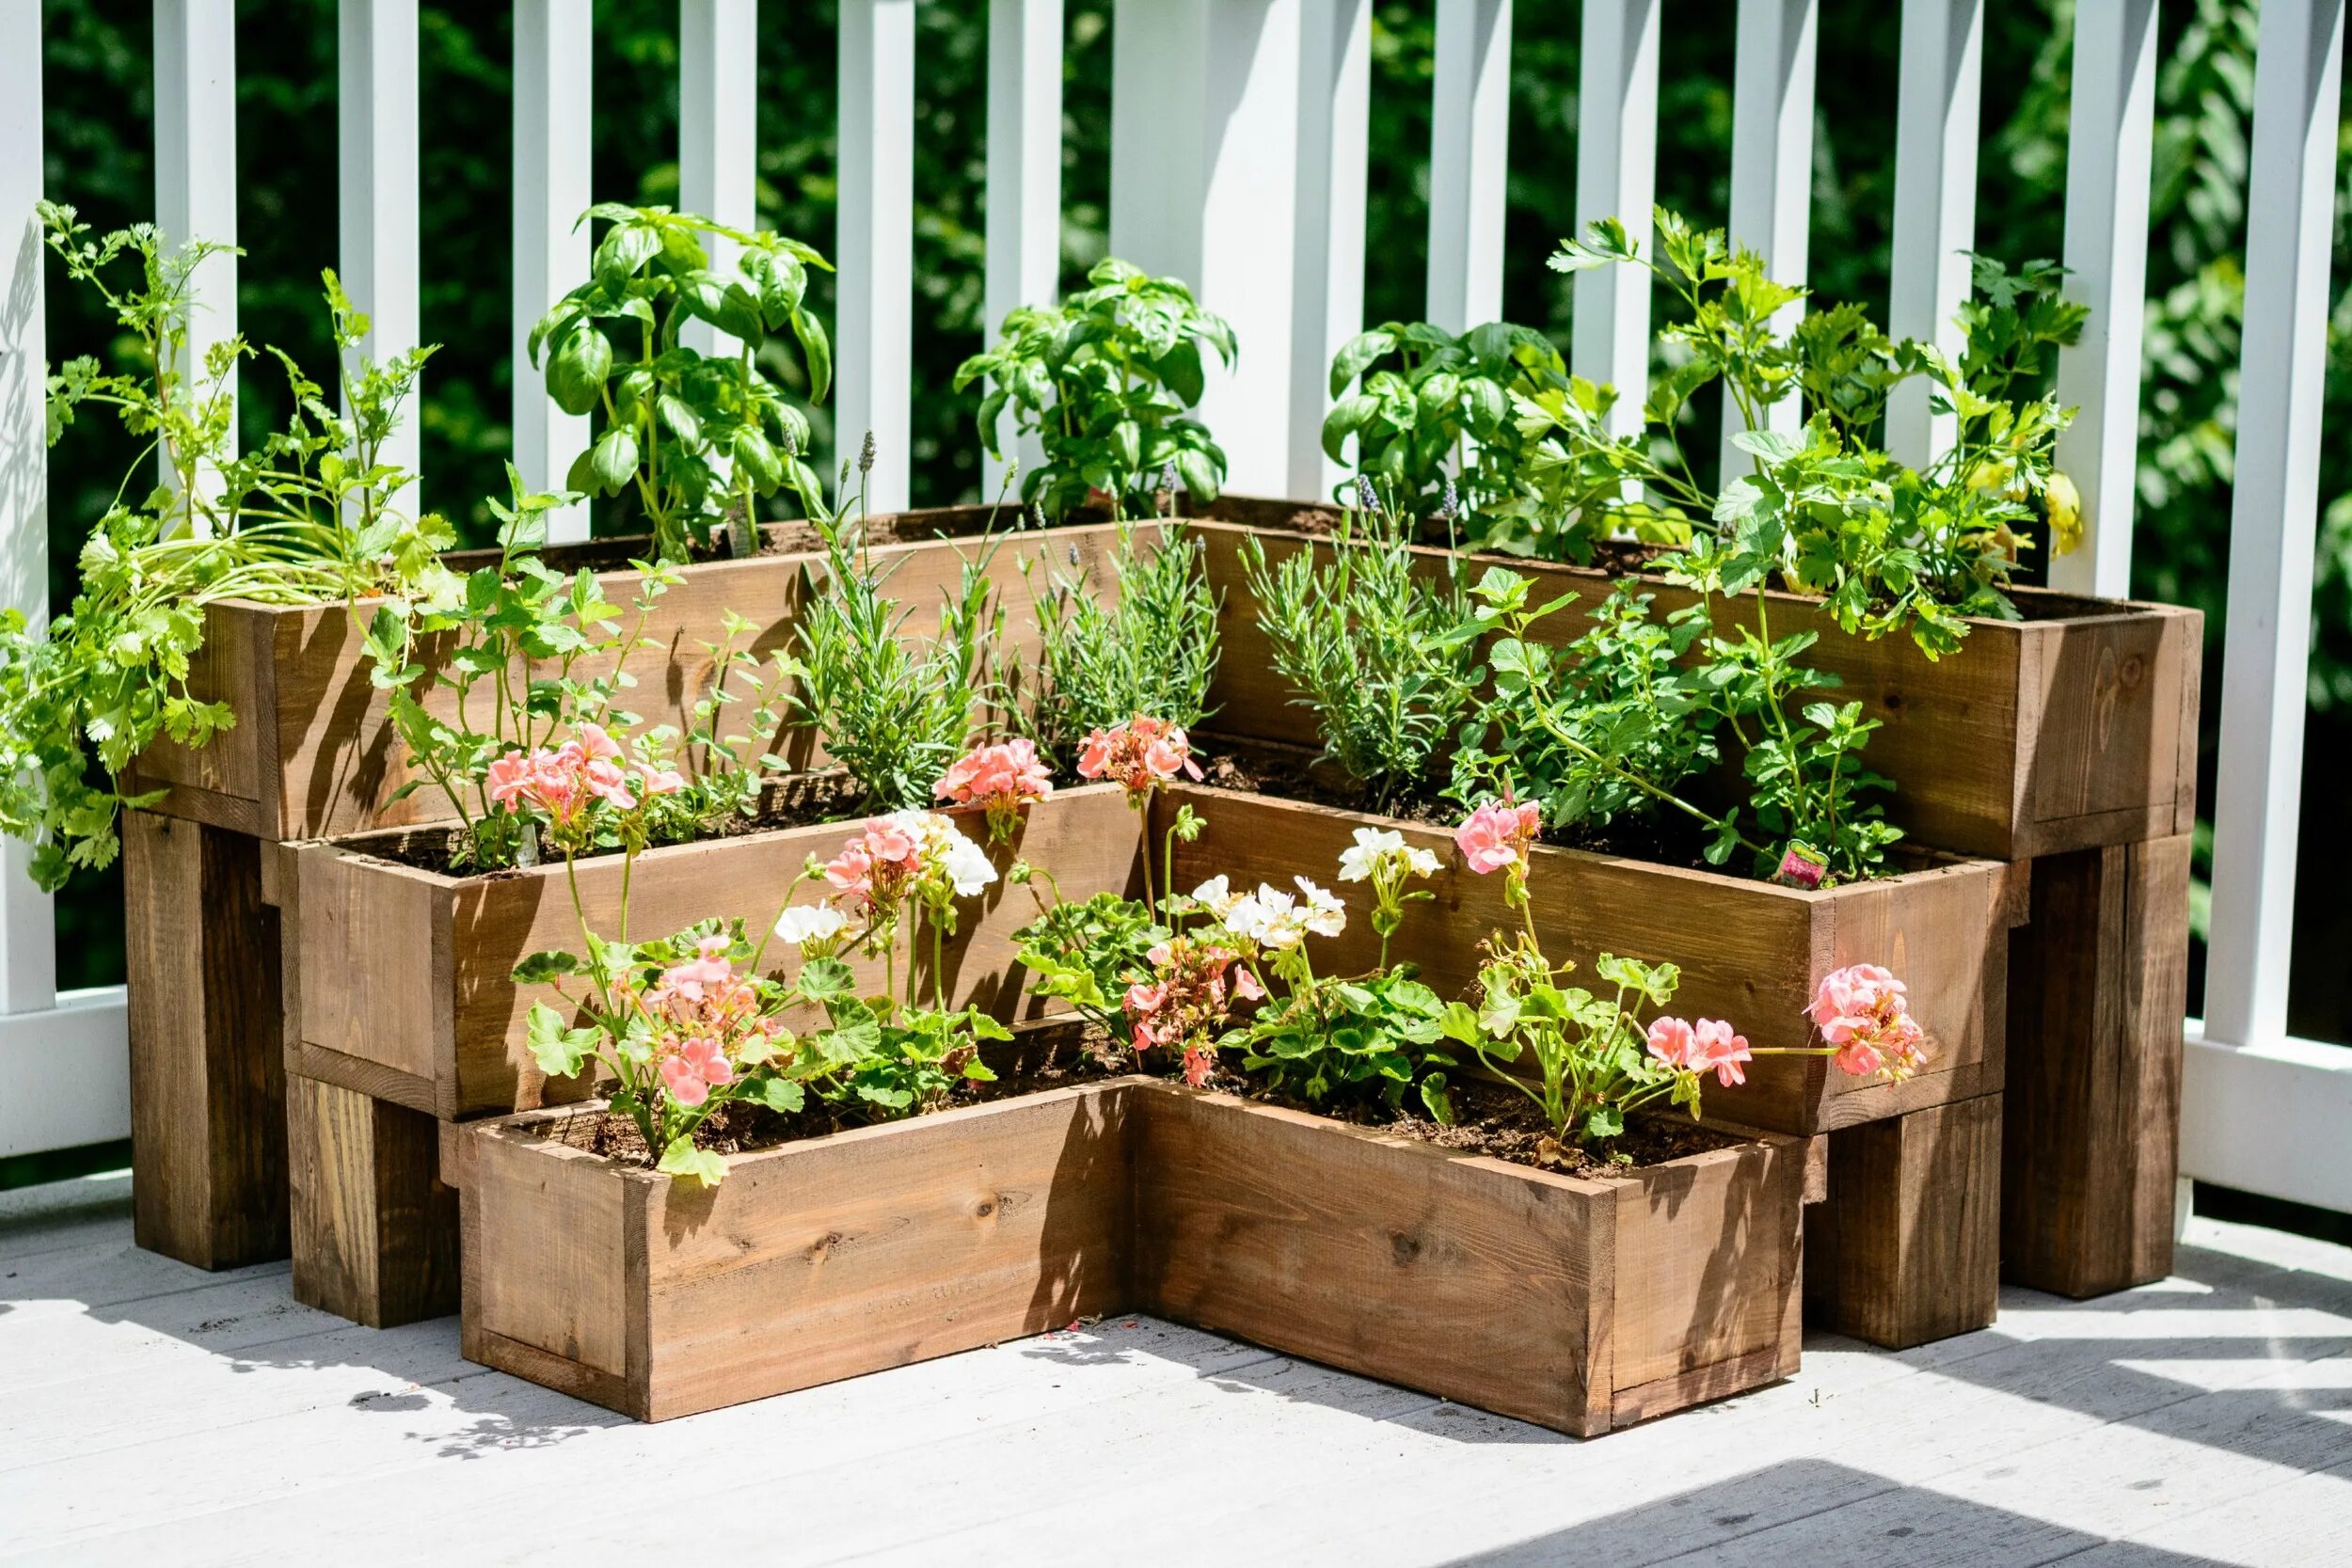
[152, 1413]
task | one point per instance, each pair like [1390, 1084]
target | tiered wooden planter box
[401, 994]
[1583, 1304]
[2067, 738]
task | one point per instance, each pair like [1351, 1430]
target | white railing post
[552, 95]
[376, 133]
[195, 158]
[1024, 203]
[62, 1055]
[717, 132]
[1616, 176]
[1469, 104]
[28, 933]
[2108, 143]
[1771, 167]
[2273, 519]
[1935, 201]
[875, 249]
[1328, 262]
[1205, 129]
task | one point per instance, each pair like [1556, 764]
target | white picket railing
[1238, 161]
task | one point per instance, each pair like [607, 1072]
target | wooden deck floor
[154, 1415]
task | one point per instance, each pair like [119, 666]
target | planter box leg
[374, 1227]
[2098, 983]
[208, 1085]
[1906, 1248]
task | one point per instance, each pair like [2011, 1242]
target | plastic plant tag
[1800, 866]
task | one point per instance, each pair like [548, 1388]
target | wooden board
[405, 990]
[208, 1093]
[2073, 727]
[1906, 1248]
[2090, 1133]
[1751, 952]
[374, 1229]
[1506, 1288]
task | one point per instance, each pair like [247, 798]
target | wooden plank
[374, 1228]
[1907, 1247]
[1751, 952]
[1459, 1276]
[375, 942]
[544, 1259]
[2090, 1135]
[208, 1119]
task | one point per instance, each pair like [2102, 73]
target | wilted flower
[1186, 998]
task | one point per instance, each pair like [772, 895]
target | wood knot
[1406, 1248]
[2133, 670]
[986, 1207]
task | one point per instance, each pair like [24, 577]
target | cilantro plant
[1103, 381]
[1433, 428]
[1380, 651]
[1151, 648]
[310, 517]
[695, 438]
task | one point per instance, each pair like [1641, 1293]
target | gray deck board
[151, 1414]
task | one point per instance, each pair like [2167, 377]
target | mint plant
[310, 517]
[1103, 382]
[1383, 654]
[694, 437]
[1151, 648]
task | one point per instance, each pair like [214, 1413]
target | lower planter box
[1581, 1303]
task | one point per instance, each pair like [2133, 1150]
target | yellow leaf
[2064, 504]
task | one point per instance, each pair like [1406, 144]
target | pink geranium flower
[1864, 1012]
[1715, 1044]
[1139, 755]
[1178, 1009]
[1670, 1041]
[1497, 836]
[1001, 778]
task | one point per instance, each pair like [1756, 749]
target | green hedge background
[98, 121]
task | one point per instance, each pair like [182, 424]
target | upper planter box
[403, 989]
[313, 754]
[2073, 728]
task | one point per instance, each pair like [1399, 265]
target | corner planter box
[401, 987]
[2073, 728]
[1581, 1303]
[1750, 952]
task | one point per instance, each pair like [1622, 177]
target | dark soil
[1053, 1056]
[1295, 773]
[797, 801]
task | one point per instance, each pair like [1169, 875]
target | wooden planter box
[1751, 952]
[401, 987]
[1583, 1304]
[2073, 728]
[313, 755]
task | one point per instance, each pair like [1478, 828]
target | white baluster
[1935, 201]
[718, 133]
[196, 162]
[1771, 168]
[1616, 176]
[376, 185]
[1024, 69]
[1328, 263]
[1468, 156]
[553, 98]
[875, 249]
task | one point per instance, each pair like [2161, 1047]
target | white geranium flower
[966, 863]
[1217, 896]
[1362, 859]
[1253, 916]
[805, 923]
[1421, 863]
[1320, 911]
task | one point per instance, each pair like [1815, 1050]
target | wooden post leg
[1906, 1248]
[374, 1227]
[2098, 983]
[208, 1086]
